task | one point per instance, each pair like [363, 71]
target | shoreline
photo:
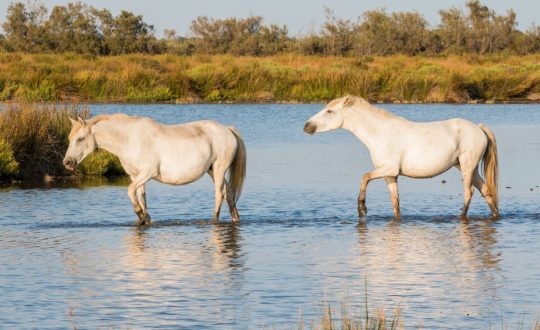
[264, 101]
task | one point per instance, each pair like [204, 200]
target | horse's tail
[237, 170]
[491, 166]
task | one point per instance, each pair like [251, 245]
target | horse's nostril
[309, 128]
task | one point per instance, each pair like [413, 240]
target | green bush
[38, 136]
[101, 163]
[9, 168]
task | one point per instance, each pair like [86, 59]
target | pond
[71, 257]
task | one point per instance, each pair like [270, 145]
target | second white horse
[418, 150]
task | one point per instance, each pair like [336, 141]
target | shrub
[101, 163]
[9, 168]
[37, 134]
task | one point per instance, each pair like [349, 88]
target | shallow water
[71, 257]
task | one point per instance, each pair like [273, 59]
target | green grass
[34, 138]
[288, 77]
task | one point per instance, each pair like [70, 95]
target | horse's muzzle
[309, 128]
[70, 164]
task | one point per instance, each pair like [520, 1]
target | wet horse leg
[137, 182]
[218, 176]
[227, 193]
[377, 173]
[479, 183]
[391, 182]
[141, 197]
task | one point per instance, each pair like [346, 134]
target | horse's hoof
[144, 220]
[362, 211]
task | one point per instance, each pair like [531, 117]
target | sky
[300, 16]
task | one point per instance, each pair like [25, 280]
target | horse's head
[81, 143]
[329, 118]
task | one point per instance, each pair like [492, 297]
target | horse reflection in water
[418, 150]
[413, 260]
[173, 154]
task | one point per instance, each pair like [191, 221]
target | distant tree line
[76, 28]
[83, 29]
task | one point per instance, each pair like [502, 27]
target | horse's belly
[427, 168]
[182, 172]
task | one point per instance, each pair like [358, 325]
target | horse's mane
[364, 105]
[98, 118]
[94, 120]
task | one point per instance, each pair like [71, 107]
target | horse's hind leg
[218, 175]
[227, 194]
[391, 182]
[467, 176]
[232, 205]
[482, 187]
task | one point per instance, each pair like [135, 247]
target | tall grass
[349, 320]
[222, 78]
[34, 138]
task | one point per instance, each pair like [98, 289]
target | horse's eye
[81, 139]
[330, 111]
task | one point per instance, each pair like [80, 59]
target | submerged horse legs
[218, 177]
[225, 192]
[136, 193]
[482, 187]
[391, 182]
[232, 205]
[377, 173]
[141, 197]
[467, 191]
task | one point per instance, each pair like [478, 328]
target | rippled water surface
[71, 257]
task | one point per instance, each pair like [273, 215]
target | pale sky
[301, 16]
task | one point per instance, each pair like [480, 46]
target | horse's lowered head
[81, 143]
[329, 118]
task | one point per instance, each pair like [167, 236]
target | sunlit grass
[34, 138]
[286, 77]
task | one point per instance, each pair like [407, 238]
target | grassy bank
[34, 138]
[224, 78]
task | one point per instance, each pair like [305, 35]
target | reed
[287, 77]
[34, 138]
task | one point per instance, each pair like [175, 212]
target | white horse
[418, 150]
[173, 154]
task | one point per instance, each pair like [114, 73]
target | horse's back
[187, 151]
[431, 148]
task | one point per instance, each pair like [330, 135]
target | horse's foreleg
[377, 173]
[479, 183]
[391, 182]
[136, 183]
[141, 197]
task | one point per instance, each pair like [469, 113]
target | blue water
[71, 257]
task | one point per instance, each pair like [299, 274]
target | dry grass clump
[34, 138]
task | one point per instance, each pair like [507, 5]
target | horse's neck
[368, 126]
[111, 135]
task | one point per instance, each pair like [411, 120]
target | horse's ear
[349, 100]
[81, 121]
[73, 121]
